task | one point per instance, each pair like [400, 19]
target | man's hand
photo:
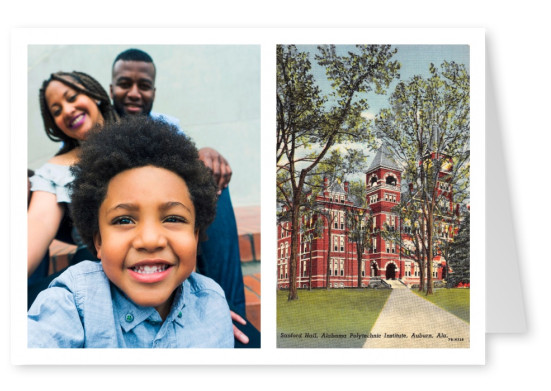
[218, 165]
[238, 334]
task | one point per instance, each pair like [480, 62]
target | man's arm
[219, 166]
[212, 158]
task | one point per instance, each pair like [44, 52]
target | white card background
[517, 40]
[268, 354]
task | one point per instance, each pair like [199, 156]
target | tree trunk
[293, 258]
[421, 276]
[359, 251]
[430, 229]
[310, 268]
[327, 275]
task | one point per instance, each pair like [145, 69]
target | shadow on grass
[456, 301]
[337, 318]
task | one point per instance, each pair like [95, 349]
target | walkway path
[405, 314]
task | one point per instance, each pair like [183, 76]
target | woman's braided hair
[85, 84]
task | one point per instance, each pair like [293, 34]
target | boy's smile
[147, 240]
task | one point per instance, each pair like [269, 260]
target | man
[133, 93]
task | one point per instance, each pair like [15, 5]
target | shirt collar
[176, 313]
[130, 314]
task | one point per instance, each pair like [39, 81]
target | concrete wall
[214, 90]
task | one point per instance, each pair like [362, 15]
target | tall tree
[427, 127]
[410, 235]
[328, 176]
[359, 225]
[310, 123]
[458, 257]
[311, 230]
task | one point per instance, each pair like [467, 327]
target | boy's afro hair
[136, 141]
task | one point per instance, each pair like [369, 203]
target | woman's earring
[98, 102]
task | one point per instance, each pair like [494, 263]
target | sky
[414, 60]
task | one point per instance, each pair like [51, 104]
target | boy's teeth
[150, 269]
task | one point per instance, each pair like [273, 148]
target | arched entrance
[390, 271]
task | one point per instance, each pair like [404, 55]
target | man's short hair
[133, 55]
[137, 141]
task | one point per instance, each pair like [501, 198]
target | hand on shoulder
[218, 165]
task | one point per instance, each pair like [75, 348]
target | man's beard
[119, 108]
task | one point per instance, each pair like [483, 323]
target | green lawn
[456, 301]
[337, 311]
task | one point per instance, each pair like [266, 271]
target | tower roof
[383, 158]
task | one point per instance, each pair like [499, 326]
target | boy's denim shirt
[82, 309]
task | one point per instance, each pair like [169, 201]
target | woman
[71, 104]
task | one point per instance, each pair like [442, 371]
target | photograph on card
[373, 196]
[143, 196]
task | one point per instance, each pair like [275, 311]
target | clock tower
[383, 181]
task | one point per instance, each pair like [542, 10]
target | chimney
[346, 187]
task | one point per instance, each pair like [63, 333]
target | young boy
[141, 198]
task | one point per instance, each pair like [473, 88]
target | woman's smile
[77, 121]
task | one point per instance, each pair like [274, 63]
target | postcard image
[373, 196]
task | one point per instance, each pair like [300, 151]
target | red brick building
[381, 259]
